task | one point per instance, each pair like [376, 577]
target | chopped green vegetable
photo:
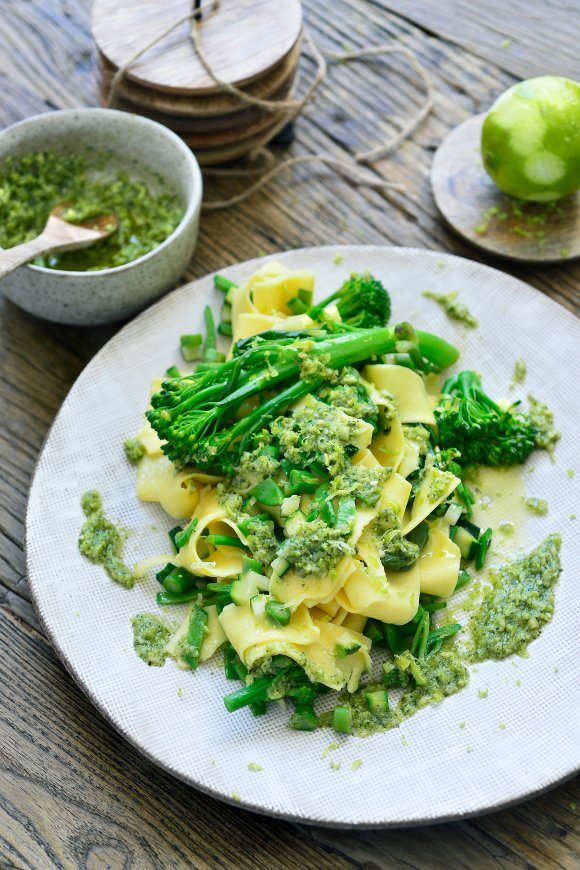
[342, 718]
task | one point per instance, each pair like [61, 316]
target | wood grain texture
[73, 793]
[242, 40]
[478, 211]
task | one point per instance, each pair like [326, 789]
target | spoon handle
[11, 258]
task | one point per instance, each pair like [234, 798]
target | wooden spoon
[58, 235]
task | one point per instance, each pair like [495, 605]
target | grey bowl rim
[193, 203]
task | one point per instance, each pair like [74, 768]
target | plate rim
[69, 666]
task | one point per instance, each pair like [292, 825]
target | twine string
[288, 109]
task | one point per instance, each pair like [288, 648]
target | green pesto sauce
[520, 371]
[151, 634]
[134, 450]
[351, 396]
[538, 506]
[444, 674]
[32, 185]
[543, 419]
[102, 542]
[316, 432]
[517, 605]
[453, 308]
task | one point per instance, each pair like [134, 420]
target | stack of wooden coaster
[251, 44]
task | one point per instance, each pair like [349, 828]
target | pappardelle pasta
[320, 474]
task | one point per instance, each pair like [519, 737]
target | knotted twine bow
[288, 109]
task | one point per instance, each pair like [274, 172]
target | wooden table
[73, 793]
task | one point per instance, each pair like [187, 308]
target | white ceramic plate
[429, 769]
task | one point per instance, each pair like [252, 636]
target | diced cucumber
[345, 647]
[290, 505]
[342, 718]
[226, 313]
[247, 585]
[277, 612]
[466, 542]
[295, 523]
[453, 513]
[258, 605]
[378, 701]
[249, 564]
[280, 565]
[471, 527]
[191, 346]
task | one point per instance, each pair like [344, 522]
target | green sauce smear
[443, 673]
[517, 605]
[32, 185]
[453, 308]
[102, 542]
[151, 634]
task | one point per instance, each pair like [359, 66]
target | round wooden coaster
[203, 106]
[479, 212]
[202, 137]
[242, 41]
[234, 123]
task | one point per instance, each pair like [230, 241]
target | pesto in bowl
[31, 185]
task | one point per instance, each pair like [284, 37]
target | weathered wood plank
[523, 39]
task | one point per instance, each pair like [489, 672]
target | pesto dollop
[520, 372]
[442, 674]
[538, 506]
[134, 450]
[543, 420]
[102, 542]
[453, 308]
[519, 603]
[32, 185]
[151, 634]
[316, 431]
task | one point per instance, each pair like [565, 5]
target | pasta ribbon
[439, 564]
[408, 389]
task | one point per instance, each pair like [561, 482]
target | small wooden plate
[479, 212]
[243, 40]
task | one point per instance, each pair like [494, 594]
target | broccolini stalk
[194, 414]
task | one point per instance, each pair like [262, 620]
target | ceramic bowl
[147, 151]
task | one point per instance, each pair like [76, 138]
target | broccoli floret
[484, 433]
[362, 302]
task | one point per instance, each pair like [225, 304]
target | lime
[530, 142]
